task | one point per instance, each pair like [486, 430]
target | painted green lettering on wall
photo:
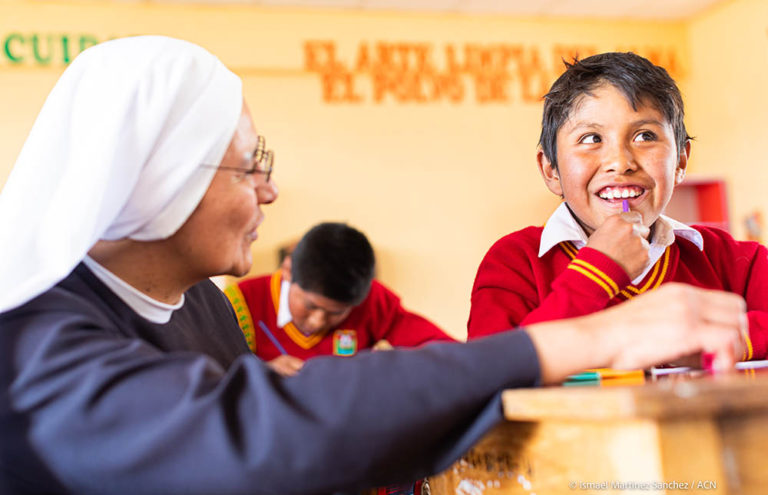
[16, 59]
[87, 41]
[44, 49]
[40, 59]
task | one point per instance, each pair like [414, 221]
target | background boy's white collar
[561, 226]
[284, 315]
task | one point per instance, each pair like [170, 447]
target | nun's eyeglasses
[263, 161]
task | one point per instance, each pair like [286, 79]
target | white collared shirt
[284, 315]
[561, 226]
[151, 309]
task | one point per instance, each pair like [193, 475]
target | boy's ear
[549, 173]
[285, 268]
[682, 163]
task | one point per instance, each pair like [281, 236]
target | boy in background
[613, 145]
[324, 301]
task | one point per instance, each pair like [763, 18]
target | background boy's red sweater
[515, 287]
[379, 316]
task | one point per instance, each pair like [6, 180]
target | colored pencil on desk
[741, 365]
[605, 374]
[585, 376]
[670, 371]
[751, 365]
[272, 338]
[612, 373]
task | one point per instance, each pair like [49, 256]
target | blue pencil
[272, 338]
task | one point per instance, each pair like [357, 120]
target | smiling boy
[613, 133]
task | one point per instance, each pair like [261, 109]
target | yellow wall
[727, 103]
[432, 184]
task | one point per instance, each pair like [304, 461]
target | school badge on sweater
[344, 342]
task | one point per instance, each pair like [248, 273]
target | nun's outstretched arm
[96, 411]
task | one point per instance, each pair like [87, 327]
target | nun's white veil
[115, 152]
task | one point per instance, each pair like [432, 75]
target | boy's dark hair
[636, 77]
[334, 260]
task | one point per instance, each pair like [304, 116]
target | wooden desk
[706, 435]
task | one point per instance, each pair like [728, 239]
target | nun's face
[217, 237]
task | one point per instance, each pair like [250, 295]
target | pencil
[751, 365]
[272, 338]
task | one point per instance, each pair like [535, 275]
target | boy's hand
[286, 365]
[622, 237]
[382, 345]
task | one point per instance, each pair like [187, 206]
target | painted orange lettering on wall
[447, 86]
[419, 72]
[491, 88]
[534, 77]
[363, 61]
[319, 56]
[661, 56]
[567, 53]
[339, 87]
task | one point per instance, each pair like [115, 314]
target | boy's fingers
[640, 230]
[632, 216]
[636, 219]
[294, 363]
[287, 365]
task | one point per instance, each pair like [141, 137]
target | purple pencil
[272, 337]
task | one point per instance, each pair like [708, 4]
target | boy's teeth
[620, 193]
